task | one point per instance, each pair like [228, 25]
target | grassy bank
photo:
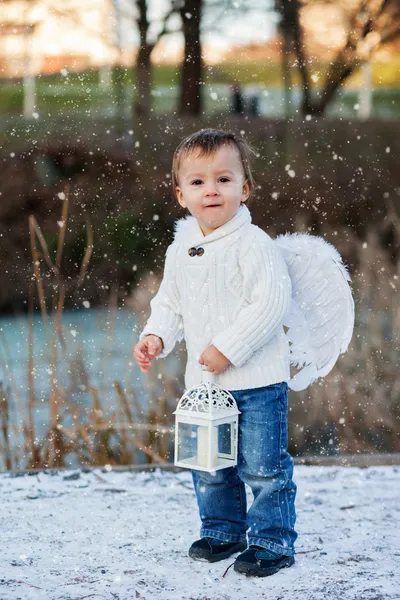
[82, 91]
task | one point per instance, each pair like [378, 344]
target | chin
[215, 222]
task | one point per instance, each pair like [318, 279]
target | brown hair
[209, 141]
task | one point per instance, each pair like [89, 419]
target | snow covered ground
[125, 535]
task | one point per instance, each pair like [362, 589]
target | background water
[99, 346]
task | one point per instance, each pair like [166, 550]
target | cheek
[193, 194]
[235, 191]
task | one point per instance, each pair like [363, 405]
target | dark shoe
[261, 562]
[212, 550]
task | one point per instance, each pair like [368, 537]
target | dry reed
[96, 436]
[356, 408]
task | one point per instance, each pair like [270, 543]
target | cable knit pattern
[235, 296]
[166, 305]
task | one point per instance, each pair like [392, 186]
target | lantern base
[191, 463]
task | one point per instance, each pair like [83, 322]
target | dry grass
[356, 408]
[117, 434]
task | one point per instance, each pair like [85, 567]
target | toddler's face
[212, 187]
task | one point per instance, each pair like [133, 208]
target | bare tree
[193, 19]
[192, 14]
[370, 25]
[142, 105]
[192, 66]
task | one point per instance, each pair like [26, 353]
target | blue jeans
[265, 465]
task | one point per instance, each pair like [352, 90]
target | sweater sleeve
[267, 289]
[166, 319]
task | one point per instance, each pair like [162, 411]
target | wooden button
[200, 251]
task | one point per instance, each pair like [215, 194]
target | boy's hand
[148, 348]
[214, 359]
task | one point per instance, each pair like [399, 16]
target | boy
[226, 289]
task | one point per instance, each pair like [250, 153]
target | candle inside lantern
[203, 448]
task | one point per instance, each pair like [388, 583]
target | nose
[210, 189]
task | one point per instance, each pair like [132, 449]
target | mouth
[213, 205]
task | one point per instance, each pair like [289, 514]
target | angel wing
[321, 316]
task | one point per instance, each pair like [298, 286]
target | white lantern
[206, 427]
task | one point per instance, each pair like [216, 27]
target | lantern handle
[207, 376]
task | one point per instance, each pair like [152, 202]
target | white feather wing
[321, 316]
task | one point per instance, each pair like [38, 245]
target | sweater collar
[189, 229]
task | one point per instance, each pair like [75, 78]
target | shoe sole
[204, 556]
[256, 571]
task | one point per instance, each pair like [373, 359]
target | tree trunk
[142, 107]
[142, 104]
[190, 93]
[286, 34]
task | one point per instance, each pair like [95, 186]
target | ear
[245, 191]
[179, 195]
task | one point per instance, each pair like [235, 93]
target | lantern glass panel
[226, 444]
[225, 439]
[193, 444]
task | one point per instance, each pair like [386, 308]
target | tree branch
[371, 25]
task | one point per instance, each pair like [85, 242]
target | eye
[196, 182]
[224, 179]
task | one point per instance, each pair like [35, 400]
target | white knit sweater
[235, 296]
